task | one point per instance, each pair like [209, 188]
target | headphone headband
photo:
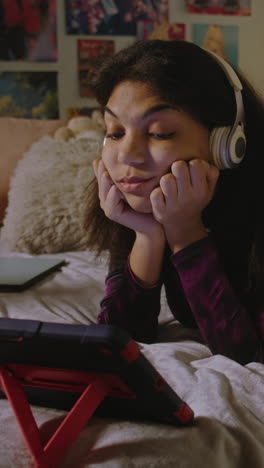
[229, 71]
[228, 144]
[235, 83]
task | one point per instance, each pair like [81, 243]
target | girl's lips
[134, 185]
[132, 180]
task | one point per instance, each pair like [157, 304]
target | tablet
[19, 273]
[54, 363]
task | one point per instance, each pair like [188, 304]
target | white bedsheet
[73, 295]
[227, 398]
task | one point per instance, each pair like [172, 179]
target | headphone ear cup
[227, 146]
[218, 146]
[237, 145]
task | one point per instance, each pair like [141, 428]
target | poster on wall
[28, 30]
[220, 7]
[164, 31]
[91, 52]
[223, 40]
[115, 17]
[31, 95]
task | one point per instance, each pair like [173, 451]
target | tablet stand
[49, 455]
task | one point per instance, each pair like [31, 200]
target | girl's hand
[179, 201]
[116, 208]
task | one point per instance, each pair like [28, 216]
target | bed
[227, 398]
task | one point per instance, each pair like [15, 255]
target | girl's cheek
[108, 164]
[105, 159]
[109, 159]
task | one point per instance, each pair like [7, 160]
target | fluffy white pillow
[47, 196]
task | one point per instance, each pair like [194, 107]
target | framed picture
[29, 95]
[91, 52]
[221, 39]
[115, 17]
[28, 30]
[164, 31]
[220, 7]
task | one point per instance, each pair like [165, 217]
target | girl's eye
[158, 136]
[114, 136]
[162, 136]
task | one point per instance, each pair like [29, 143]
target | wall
[251, 62]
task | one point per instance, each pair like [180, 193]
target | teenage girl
[178, 196]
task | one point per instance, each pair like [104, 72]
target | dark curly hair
[187, 76]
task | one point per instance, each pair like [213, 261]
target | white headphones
[228, 144]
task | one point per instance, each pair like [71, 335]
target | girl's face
[144, 136]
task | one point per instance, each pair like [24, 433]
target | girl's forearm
[147, 256]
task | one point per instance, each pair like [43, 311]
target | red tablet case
[94, 362]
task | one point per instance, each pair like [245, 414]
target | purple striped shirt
[199, 295]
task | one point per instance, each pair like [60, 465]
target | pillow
[47, 196]
[16, 136]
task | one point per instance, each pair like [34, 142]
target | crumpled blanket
[227, 398]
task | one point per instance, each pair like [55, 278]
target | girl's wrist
[156, 237]
[178, 241]
[146, 257]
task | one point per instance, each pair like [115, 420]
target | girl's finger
[198, 174]
[157, 201]
[103, 178]
[95, 164]
[181, 172]
[105, 184]
[212, 177]
[112, 200]
[169, 189]
[100, 168]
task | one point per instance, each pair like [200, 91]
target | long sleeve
[131, 306]
[226, 325]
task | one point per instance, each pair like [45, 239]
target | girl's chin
[142, 205]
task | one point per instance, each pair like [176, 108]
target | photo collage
[28, 34]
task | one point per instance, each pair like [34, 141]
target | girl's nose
[131, 151]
